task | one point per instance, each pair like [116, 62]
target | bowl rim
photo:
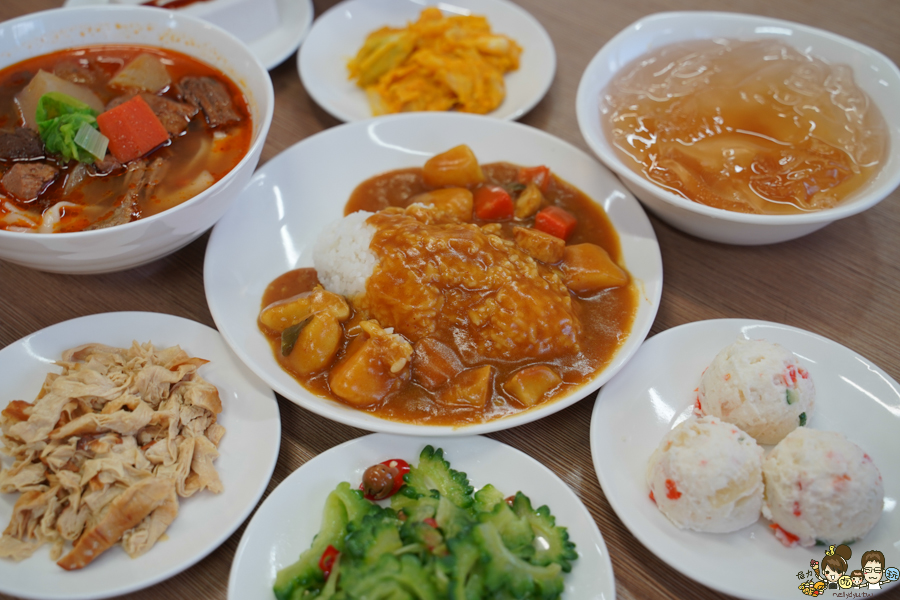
[265, 101]
[585, 101]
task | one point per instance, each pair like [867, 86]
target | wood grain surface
[842, 282]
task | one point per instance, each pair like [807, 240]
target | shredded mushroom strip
[103, 453]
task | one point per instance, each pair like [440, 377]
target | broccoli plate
[438, 539]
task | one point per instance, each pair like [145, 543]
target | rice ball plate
[656, 391]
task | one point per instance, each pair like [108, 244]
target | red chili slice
[326, 562]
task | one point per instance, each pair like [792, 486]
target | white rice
[342, 257]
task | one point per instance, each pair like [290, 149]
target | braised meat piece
[211, 96]
[20, 144]
[538, 245]
[80, 73]
[26, 181]
[106, 165]
[174, 116]
[141, 179]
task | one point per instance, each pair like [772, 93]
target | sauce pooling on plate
[746, 126]
[482, 314]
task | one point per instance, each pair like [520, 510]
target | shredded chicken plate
[103, 453]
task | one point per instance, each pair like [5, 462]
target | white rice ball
[758, 386]
[706, 475]
[821, 487]
[342, 257]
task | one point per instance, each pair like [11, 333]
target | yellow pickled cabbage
[435, 63]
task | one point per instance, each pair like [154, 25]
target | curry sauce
[593, 326]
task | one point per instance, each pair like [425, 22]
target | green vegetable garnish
[791, 396]
[802, 419]
[437, 540]
[91, 140]
[59, 117]
[289, 336]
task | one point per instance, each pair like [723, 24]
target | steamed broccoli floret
[390, 578]
[507, 573]
[341, 506]
[557, 547]
[375, 534]
[487, 498]
[434, 473]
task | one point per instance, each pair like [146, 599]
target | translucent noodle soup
[104, 135]
[746, 126]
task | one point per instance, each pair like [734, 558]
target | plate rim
[595, 534]
[545, 40]
[269, 60]
[323, 408]
[628, 517]
[223, 534]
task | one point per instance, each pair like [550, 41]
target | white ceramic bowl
[276, 220]
[874, 73]
[142, 241]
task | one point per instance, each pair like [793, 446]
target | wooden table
[842, 282]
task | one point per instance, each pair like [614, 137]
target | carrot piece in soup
[493, 203]
[555, 221]
[132, 128]
[540, 176]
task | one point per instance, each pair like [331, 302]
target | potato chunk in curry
[376, 363]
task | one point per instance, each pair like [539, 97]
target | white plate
[247, 454]
[339, 33]
[285, 524]
[272, 226]
[294, 18]
[655, 391]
